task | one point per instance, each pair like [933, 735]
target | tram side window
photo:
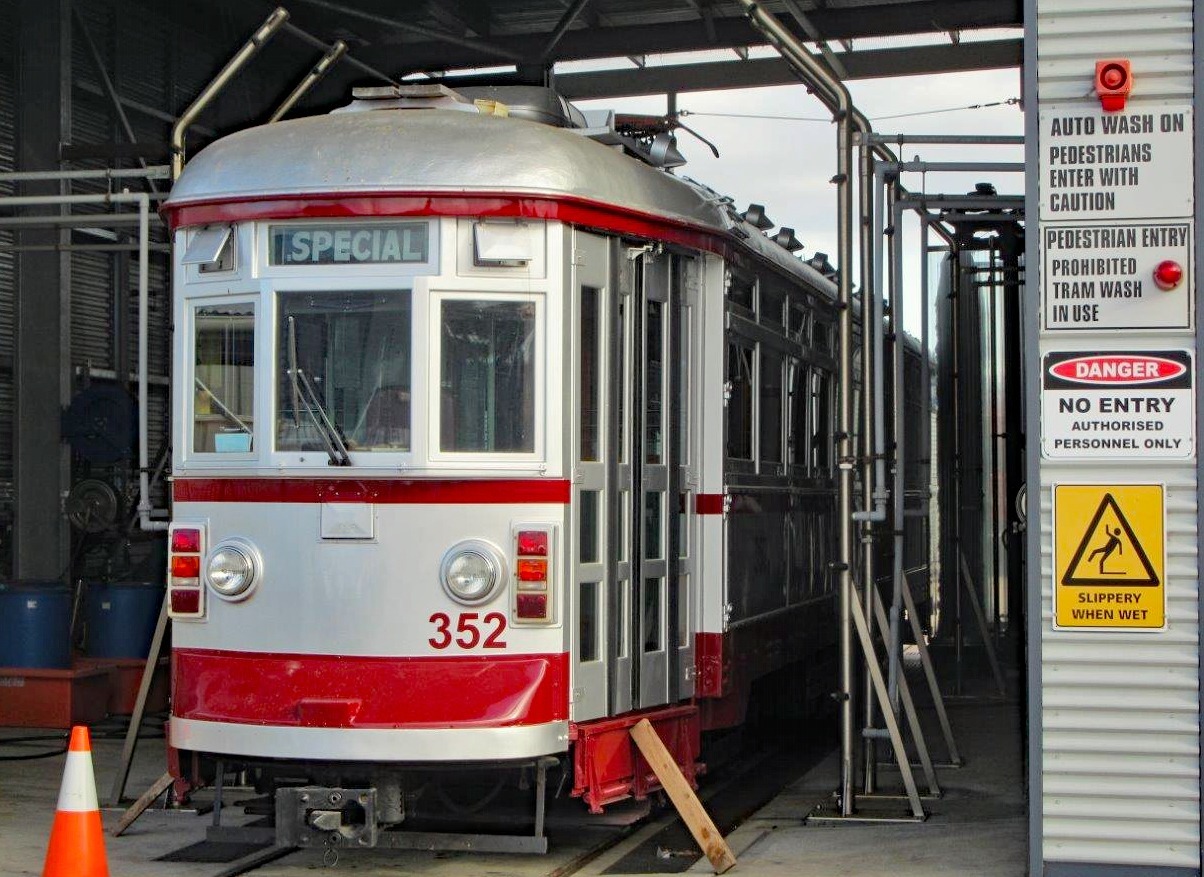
[799, 443]
[771, 407]
[224, 379]
[487, 381]
[773, 303]
[740, 402]
[822, 426]
[740, 290]
[345, 355]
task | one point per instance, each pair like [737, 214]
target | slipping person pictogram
[1112, 545]
[1101, 558]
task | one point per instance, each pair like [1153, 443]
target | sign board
[1118, 405]
[1101, 276]
[1109, 557]
[346, 243]
[1129, 165]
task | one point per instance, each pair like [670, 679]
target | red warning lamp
[1113, 82]
[1168, 274]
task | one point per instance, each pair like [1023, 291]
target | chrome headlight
[232, 569]
[472, 571]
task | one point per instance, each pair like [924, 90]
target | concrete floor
[977, 829]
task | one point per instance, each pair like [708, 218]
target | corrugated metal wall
[1119, 730]
[8, 162]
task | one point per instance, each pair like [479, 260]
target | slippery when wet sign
[1109, 556]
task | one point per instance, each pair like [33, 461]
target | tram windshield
[353, 349]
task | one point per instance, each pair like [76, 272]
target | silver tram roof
[452, 151]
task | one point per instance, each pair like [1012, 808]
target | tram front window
[487, 384]
[353, 350]
[224, 377]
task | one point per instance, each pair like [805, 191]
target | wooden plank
[692, 813]
[158, 787]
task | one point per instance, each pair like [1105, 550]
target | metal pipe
[836, 97]
[310, 79]
[947, 139]
[872, 440]
[307, 37]
[251, 48]
[76, 248]
[153, 172]
[927, 167]
[82, 220]
[899, 477]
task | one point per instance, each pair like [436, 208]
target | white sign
[1102, 276]
[1118, 405]
[1127, 165]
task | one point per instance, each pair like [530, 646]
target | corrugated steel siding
[1120, 712]
[8, 161]
[1156, 36]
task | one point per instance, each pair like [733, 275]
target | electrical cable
[1011, 101]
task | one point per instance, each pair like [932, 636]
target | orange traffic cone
[77, 847]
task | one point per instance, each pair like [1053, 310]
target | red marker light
[186, 566]
[1168, 275]
[532, 606]
[186, 541]
[185, 601]
[533, 542]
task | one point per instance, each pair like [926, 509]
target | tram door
[651, 635]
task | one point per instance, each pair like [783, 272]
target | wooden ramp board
[688, 806]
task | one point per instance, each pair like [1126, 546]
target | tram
[492, 437]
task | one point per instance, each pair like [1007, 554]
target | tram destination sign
[1130, 165]
[1118, 405]
[1101, 276]
[348, 243]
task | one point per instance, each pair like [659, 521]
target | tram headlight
[472, 571]
[232, 569]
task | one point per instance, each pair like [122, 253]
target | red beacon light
[1113, 83]
[186, 541]
[1168, 274]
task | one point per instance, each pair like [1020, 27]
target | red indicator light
[532, 606]
[1168, 275]
[186, 540]
[185, 601]
[1113, 83]
[533, 542]
[532, 570]
[185, 566]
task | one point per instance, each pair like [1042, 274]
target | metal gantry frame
[883, 202]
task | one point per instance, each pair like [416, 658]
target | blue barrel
[121, 618]
[35, 625]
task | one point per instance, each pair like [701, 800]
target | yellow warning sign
[1109, 556]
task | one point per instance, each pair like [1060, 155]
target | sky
[787, 165]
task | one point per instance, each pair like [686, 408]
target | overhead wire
[1011, 101]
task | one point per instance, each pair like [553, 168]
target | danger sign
[1109, 557]
[1129, 404]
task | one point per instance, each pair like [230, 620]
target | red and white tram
[491, 438]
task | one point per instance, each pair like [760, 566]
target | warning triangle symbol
[1110, 553]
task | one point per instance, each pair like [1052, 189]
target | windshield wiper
[303, 390]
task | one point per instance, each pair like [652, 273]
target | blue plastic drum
[35, 625]
[121, 618]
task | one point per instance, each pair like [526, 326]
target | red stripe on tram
[399, 491]
[709, 503]
[346, 691]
